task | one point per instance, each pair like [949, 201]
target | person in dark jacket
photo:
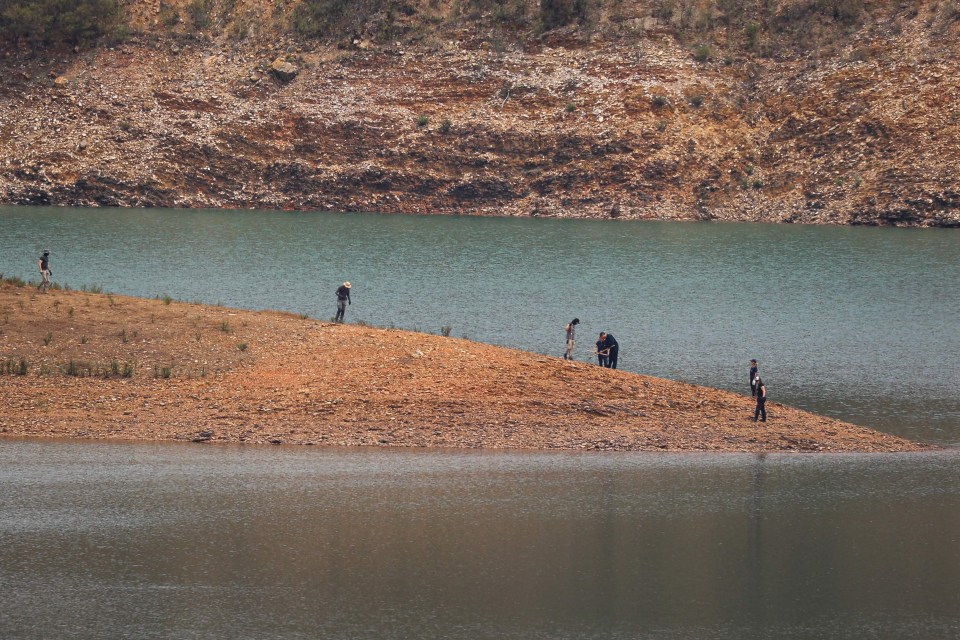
[754, 375]
[602, 351]
[343, 299]
[45, 272]
[612, 348]
[761, 411]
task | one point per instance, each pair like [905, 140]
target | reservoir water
[133, 540]
[145, 541]
[860, 324]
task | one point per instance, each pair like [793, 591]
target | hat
[46, 252]
[346, 284]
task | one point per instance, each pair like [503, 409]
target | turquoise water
[190, 541]
[857, 323]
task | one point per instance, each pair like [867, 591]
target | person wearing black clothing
[761, 411]
[45, 272]
[343, 299]
[602, 351]
[754, 375]
[612, 347]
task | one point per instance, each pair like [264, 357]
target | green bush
[199, 12]
[559, 13]
[703, 53]
[326, 18]
[44, 22]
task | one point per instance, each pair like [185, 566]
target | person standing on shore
[612, 348]
[754, 375]
[343, 299]
[601, 351]
[571, 338]
[761, 411]
[45, 272]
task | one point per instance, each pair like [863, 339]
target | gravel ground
[107, 366]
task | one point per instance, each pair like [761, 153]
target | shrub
[78, 369]
[660, 101]
[752, 31]
[571, 107]
[445, 331]
[242, 347]
[445, 125]
[46, 22]
[199, 13]
[559, 13]
[703, 53]
[696, 101]
[326, 18]
[423, 121]
[12, 367]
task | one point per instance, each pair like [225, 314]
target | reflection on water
[153, 541]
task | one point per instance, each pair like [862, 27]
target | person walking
[571, 338]
[601, 351]
[761, 411]
[343, 299]
[612, 347]
[754, 375]
[45, 272]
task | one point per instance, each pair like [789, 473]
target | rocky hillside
[810, 111]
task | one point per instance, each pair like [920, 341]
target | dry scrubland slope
[842, 111]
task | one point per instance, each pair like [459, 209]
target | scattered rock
[284, 70]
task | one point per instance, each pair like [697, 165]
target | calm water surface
[189, 541]
[861, 324]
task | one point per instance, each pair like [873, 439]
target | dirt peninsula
[91, 365]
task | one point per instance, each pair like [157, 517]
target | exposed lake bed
[108, 366]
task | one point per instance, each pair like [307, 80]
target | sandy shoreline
[113, 367]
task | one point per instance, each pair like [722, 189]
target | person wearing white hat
[343, 299]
